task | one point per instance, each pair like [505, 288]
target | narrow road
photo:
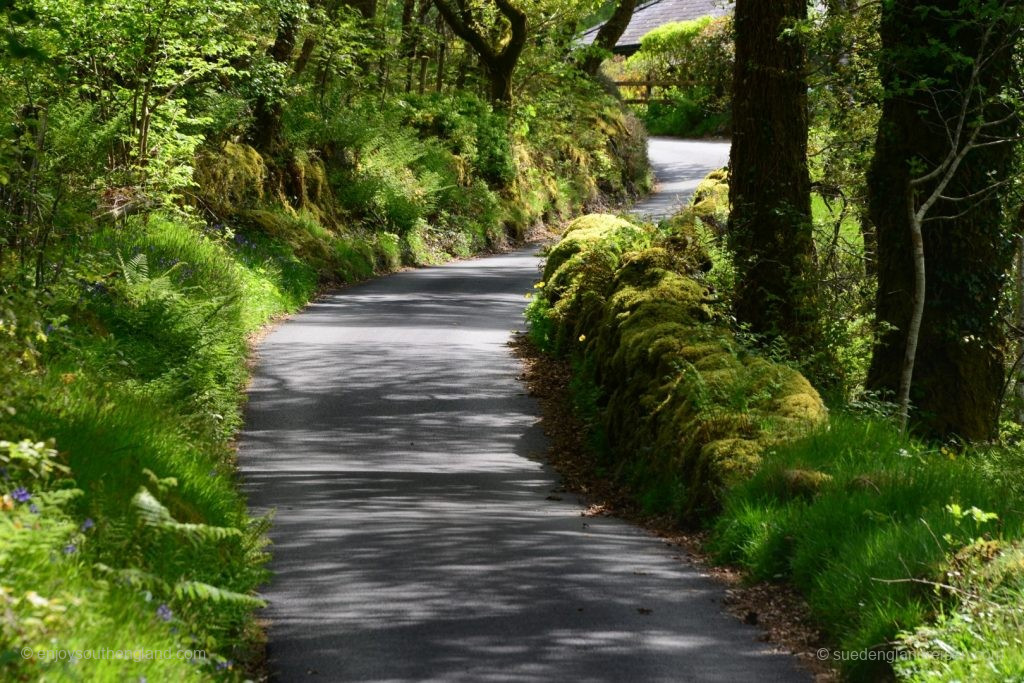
[418, 535]
[679, 166]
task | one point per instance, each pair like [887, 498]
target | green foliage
[28, 463]
[679, 114]
[53, 597]
[138, 382]
[846, 296]
[979, 638]
[388, 186]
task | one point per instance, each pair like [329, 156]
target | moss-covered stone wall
[683, 408]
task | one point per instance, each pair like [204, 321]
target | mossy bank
[682, 408]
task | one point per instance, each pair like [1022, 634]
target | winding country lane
[416, 535]
[679, 166]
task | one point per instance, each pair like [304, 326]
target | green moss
[302, 232]
[798, 482]
[683, 401]
[231, 178]
[354, 258]
[593, 232]
[711, 198]
[580, 268]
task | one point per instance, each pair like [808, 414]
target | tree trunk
[870, 237]
[308, 45]
[367, 8]
[408, 40]
[958, 373]
[441, 54]
[498, 64]
[916, 312]
[266, 129]
[770, 190]
[424, 63]
[608, 35]
[500, 84]
[1018, 386]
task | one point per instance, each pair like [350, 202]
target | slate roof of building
[651, 15]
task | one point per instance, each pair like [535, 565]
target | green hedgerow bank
[906, 550]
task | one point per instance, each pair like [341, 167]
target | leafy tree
[477, 25]
[943, 159]
[608, 35]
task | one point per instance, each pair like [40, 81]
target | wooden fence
[641, 91]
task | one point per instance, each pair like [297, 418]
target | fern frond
[161, 484]
[152, 513]
[197, 590]
[136, 270]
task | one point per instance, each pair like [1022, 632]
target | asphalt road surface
[679, 166]
[418, 535]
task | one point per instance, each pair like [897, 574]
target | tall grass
[868, 541]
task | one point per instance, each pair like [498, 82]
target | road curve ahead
[419, 536]
[679, 166]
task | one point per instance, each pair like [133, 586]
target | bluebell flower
[164, 613]
[70, 548]
[33, 508]
[88, 524]
[21, 494]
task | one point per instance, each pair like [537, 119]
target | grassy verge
[884, 536]
[909, 555]
[133, 536]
